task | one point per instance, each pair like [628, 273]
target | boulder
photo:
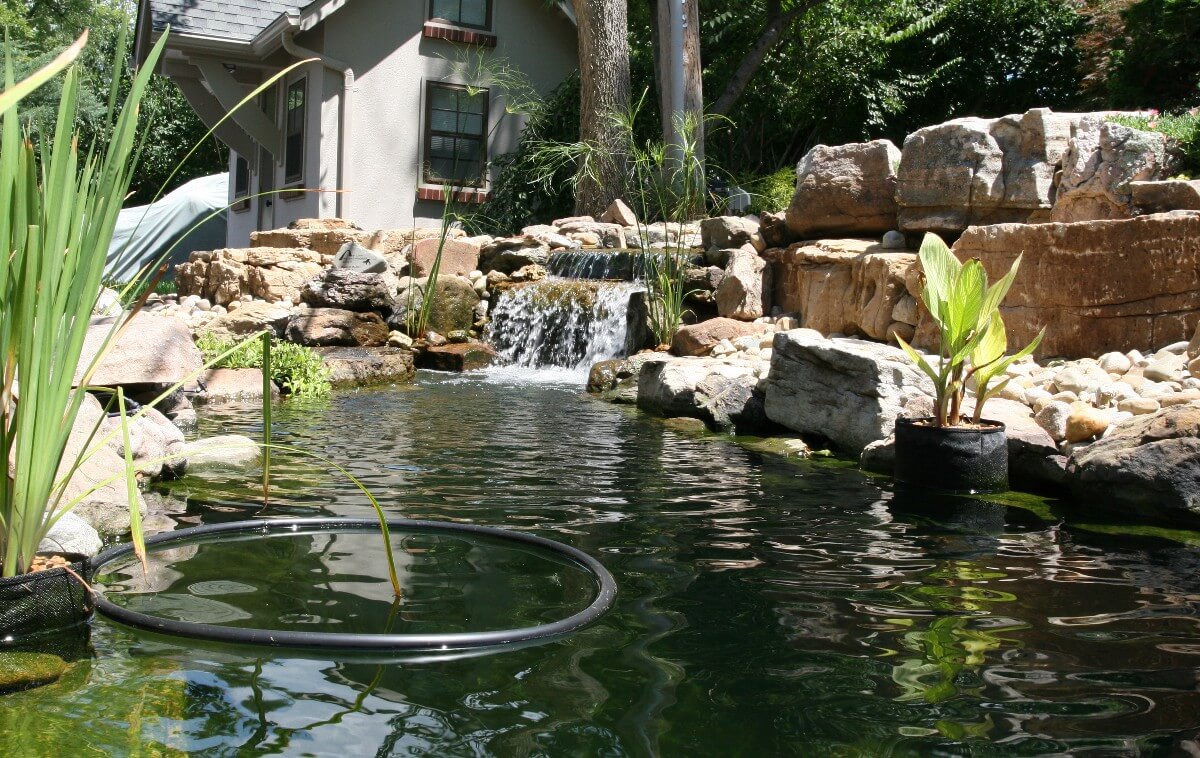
[225, 385]
[619, 213]
[250, 318]
[71, 534]
[1165, 196]
[453, 305]
[267, 273]
[1102, 160]
[1096, 286]
[701, 338]
[728, 232]
[362, 366]
[99, 481]
[459, 357]
[354, 257]
[849, 286]
[513, 253]
[223, 452]
[745, 289]
[352, 290]
[157, 444]
[151, 350]
[848, 190]
[847, 390]
[1147, 467]
[725, 396]
[973, 171]
[337, 327]
[459, 257]
[617, 380]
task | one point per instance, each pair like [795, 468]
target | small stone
[724, 347]
[1086, 423]
[1066, 396]
[1180, 398]
[894, 240]
[1194, 368]
[458, 337]
[619, 213]
[433, 339]
[399, 339]
[1053, 418]
[1115, 363]
[71, 534]
[1135, 356]
[1080, 377]
[1175, 348]
[1138, 406]
[1013, 391]
[1112, 394]
[1037, 398]
[1165, 368]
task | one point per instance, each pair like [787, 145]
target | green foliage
[60, 207]
[973, 341]
[1183, 130]
[295, 369]
[770, 193]
[517, 197]
[131, 292]
[1156, 62]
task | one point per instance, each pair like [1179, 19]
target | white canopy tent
[146, 232]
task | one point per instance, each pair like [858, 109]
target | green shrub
[770, 193]
[164, 287]
[296, 369]
[1182, 129]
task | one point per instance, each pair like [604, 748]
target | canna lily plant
[973, 340]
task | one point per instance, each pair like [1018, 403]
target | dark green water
[767, 606]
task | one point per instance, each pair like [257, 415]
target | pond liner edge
[606, 590]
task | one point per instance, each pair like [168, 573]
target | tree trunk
[604, 77]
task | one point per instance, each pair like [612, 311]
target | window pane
[444, 121]
[469, 124]
[447, 10]
[241, 174]
[444, 98]
[474, 13]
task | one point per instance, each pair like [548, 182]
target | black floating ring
[606, 592]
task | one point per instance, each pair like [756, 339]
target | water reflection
[766, 606]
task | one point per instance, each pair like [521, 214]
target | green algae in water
[22, 671]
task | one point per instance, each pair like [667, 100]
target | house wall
[382, 40]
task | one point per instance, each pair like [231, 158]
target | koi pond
[766, 605]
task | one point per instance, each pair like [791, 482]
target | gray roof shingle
[234, 20]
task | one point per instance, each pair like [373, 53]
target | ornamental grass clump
[973, 340]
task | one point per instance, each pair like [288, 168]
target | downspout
[677, 91]
[288, 40]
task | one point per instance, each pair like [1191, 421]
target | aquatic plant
[973, 340]
[297, 370]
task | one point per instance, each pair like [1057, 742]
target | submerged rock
[227, 451]
[458, 357]
[23, 671]
[361, 366]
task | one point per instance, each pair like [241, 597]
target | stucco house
[382, 114]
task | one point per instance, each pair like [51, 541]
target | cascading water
[563, 323]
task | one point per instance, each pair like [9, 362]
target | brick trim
[457, 34]
[438, 194]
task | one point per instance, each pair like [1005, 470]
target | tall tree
[604, 95]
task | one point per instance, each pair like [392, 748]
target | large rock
[98, 484]
[459, 257]
[619, 213]
[250, 318]
[847, 390]
[982, 171]
[1097, 286]
[225, 385]
[725, 396]
[728, 232]
[156, 444]
[264, 273]
[1102, 161]
[512, 254]
[337, 327]
[617, 380]
[849, 190]
[745, 290]
[701, 338]
[1148, 466]
[223, 452]
[463, 356]
[851, 287]
[361, 366]
[1166, 196]
[151, 350]
[453, 306]
[352, 290]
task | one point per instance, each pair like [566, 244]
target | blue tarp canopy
[146, 232]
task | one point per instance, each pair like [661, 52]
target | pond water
[767, 606]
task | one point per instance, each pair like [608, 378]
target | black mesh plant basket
[44, 603]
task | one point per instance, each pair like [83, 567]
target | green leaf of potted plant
[948, 451]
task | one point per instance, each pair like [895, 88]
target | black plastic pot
[952, 459]
[44, 602]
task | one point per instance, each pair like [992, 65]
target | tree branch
[777, 22]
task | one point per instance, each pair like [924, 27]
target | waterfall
[562, 323]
